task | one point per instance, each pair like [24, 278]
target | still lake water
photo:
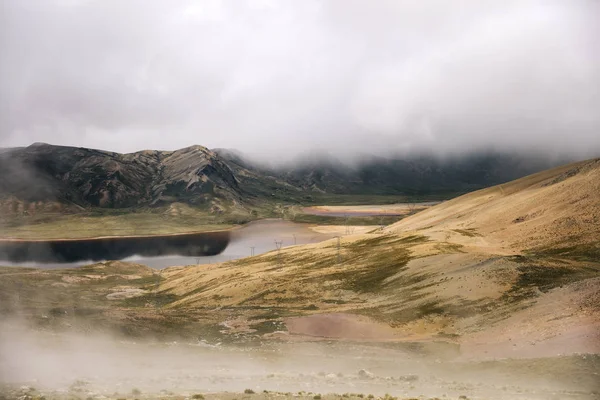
[260, 234]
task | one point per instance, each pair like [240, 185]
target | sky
[280, 78]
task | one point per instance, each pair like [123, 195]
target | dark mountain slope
[413, 175]
[86, 177]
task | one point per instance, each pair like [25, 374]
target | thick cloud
[278, 77]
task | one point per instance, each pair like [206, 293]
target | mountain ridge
[77, 177]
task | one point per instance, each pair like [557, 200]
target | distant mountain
[415, 175]
[79, 177]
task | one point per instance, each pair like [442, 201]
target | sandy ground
[340, 326]
[96, 367]
[344, 229]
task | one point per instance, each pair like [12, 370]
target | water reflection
[258, 237]
[113, 248]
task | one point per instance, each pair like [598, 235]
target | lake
[175, 250]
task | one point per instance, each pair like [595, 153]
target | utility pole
[156, 289]
[278, 246]
[18, 296]
[252, 251]
[346, 218]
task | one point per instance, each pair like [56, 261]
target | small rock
[409, 378]
[364, 374]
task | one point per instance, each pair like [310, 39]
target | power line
[278, 246]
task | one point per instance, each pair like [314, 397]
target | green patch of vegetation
[417, 311]
[534, 278]
[350, 220]
[360, 199]
[13, 270]
[117, 222]
[583, 252]
[449, 248]
[377, 265]
[334, 301]
[268, 327]
[447, 335]
[158, 299]
[262, 295]
[468, 232]
[268, 313]
[519, 259]
[546, 278]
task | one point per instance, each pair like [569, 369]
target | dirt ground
[99, 367]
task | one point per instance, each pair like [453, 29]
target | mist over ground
[95, 365]
[279, 78]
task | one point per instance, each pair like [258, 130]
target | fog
[95, 365]
[280, 78]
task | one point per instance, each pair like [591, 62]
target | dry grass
[99, 224]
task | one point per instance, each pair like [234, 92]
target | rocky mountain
[59, 176]
[86, 177]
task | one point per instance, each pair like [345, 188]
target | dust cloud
[92, 365]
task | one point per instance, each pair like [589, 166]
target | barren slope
[511, 270]
[556, 211]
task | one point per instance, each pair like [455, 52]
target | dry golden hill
[555, 211]
[512, 270]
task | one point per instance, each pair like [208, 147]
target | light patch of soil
[340, 326]
[564, 320]
[344, 229]
[120, 293]
[374, 209]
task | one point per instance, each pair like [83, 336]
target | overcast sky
[281, 77]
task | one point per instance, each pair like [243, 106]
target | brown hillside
[556, 211]
[509, 271]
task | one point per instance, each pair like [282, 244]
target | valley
[299, 200]
[486, 296]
